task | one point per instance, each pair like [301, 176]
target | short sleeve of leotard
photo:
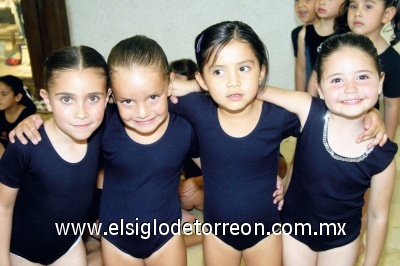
[12, 164]
[390, 60]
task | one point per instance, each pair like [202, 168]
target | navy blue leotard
[328, 190]
[239, 173]
[141, 184]
[51, 191]
[390, 61]
[6, 127]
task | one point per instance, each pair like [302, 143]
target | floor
[391, 252]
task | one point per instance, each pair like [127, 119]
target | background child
[15, 106]
[305, 10]
[53, 182]
[191, 189]
[311, 37]
[349, 82]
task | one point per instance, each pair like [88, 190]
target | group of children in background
[143, 142]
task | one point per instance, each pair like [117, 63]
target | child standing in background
[305, 10]
[310, 38]
[191, 191]
[54, 181]
[349, 81]
[185, 69]
[15, 106]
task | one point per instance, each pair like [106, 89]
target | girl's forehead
[235, 49]
[4, 86]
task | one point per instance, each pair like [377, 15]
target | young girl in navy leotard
[331, 172]
[54, 181]
[144, 148]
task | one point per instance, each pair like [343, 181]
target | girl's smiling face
[141, 94]
[350, 82]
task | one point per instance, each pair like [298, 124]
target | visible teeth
[351, 101]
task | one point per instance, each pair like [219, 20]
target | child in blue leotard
[144, 147]
[54, 181]
[331, 172]
[369, 18]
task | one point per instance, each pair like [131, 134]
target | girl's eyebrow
[357, 72]
[239, 63]
[71, 94]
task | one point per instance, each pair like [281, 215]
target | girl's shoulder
[390, 57]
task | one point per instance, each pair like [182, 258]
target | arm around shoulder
[296, 102]
[29, 126]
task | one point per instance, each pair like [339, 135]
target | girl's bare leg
[173, 253]
[218, 253]
[76, 255]
[345, 255]
[113, 256]
[296, 253]
[266, 252]
[17, 260]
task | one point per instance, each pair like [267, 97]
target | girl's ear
[389, 14]
[317, 86]
[171, 83]
[43, 93]
[200, 80]
[262, 73]
[18, 97]
[382, 78]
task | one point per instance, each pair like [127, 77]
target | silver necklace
[332, 153]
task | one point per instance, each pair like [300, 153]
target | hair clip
[198, 43]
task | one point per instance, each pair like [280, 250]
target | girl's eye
[93, 98]
[244, 68]
[363, 77]
[352, 7]
[127, 102]
[66, 99]
[218, 72]
[336, 80]
[153, 97]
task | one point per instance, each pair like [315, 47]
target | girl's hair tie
[199, 43]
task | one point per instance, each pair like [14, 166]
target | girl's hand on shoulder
[182, 87]
[29, 126]
[374, 129]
